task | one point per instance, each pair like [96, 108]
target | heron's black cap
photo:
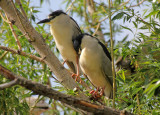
[51, 16]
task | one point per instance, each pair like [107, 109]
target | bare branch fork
[53, 94]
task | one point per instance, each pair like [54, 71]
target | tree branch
[112, 53]
[7, 85]
[53, 94]
[21, 7]
[5, 53]
[70, 6]
[14, 34]
[137, 4]
[22, 53]
[91, 10]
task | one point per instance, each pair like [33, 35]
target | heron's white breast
[90, 63]
[62, 32]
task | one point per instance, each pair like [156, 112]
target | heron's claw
[95, 94]
[77, 77]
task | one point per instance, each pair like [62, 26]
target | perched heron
[95, 62]
[64, 29]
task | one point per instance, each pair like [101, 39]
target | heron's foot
[96, 94]
[78, 79]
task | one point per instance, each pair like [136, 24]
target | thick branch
[39, 44]
[53, 94]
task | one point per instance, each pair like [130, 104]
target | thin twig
[14, 34]
[137, 4]
[70, 6]
[14, 7]
[85, 14]
[37, 100]
[91, 10]
[92, 4]
[112, 54]
[54, 78]
[22, 53]
[9, 84]
[146, 22]
[3, 17]
[98, 25]
[123, 4]
[114, 11]
[22, 35]
[3, 54]
[21, 7]
[138, 103]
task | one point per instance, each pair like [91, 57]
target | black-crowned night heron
[95, 62]
[64, 29]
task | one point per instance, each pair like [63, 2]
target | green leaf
[118, 16]
[126, 28]
[123, 76]
[151, 13]
[135, 24]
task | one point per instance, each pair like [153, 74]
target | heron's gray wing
[71, 66]
[76, 29]
[106, 68]
[76, 26]
[105, 50]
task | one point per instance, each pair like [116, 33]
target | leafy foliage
[138, 83]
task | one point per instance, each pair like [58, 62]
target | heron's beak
[44, 21]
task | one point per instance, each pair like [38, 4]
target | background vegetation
[137, 55]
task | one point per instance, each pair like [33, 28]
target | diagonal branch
[22, 53]
[21, 7]
[70, 7]
[53, 94]
[137, 4]
[91, 9]
[3, 55]
[7, 85]
[14, 34]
